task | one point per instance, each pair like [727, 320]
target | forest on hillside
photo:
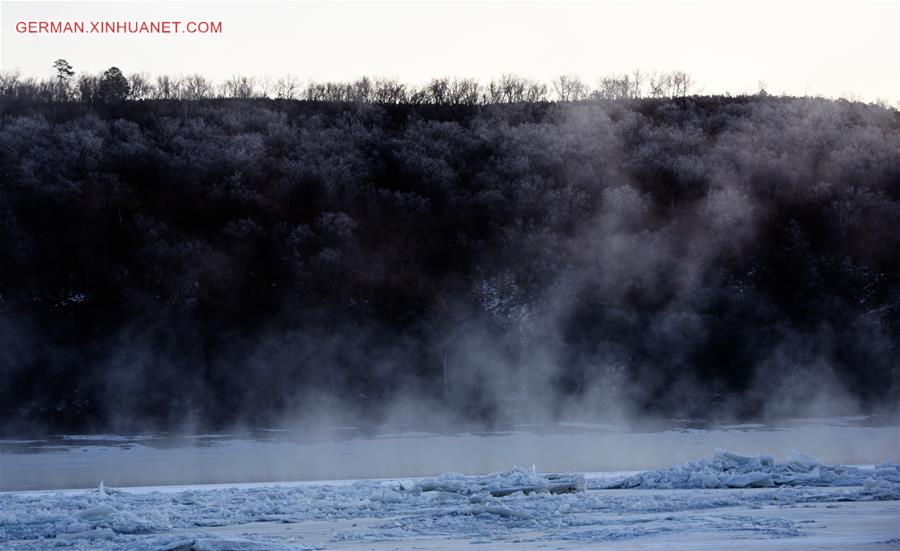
[245, 259]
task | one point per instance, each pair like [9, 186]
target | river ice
[802, 502]
[656, 489]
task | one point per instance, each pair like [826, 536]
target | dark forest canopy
[236, 260]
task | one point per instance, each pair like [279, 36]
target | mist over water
[194, 266]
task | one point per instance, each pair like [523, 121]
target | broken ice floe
[514, 504]
[503, 484]
[732, 470]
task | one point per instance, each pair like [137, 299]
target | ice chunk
[97, 512]
[387, 495]
[504, 484]
[872, 484]
[502, 511]
[801, 462]
[749, 480]
[731, 458]
[97, 534]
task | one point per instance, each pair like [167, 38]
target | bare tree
[332, 91]
[9, 84]
[512, 88]
[570, 88]
[509, 88]
[535, 92]
[195, 86]
[417, 95]
[437, 90]
[314, 91]
[239, 87]
[287, 88]
[14, 87]
[681, 84]
[387, 90]
[140, 86]
[615, 87]
[361, 91]
[337, 91]
[263, 87]
[167, 87]
[464, 91]
[660, 84]
[637, 84]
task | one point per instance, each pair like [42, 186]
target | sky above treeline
[835, 49]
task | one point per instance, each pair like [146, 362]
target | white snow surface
[455, 509]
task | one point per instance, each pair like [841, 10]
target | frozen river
[640, 489]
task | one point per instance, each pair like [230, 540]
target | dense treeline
[236, 259]
[113, 85]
